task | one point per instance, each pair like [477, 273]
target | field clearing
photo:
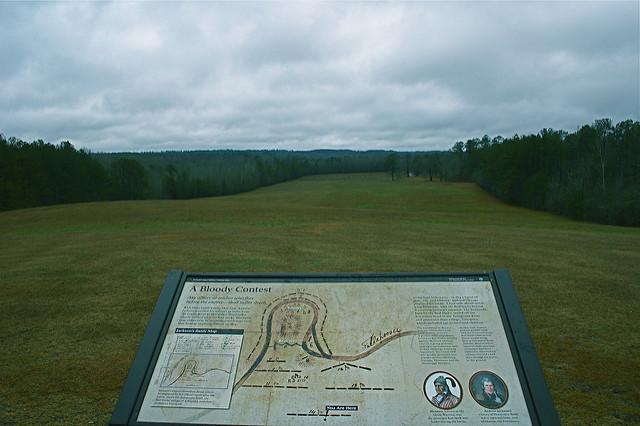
[78, 282]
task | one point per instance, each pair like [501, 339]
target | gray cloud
[136, 76]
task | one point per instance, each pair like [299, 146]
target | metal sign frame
[534, 387]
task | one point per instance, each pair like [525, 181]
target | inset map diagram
[211, 371]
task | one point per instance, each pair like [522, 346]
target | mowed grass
[78, 282]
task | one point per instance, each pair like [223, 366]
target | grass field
[78, 282]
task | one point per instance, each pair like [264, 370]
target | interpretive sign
[250, 349]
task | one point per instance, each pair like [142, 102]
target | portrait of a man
[439, 390]
[488, 389]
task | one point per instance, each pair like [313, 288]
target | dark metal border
[537, 396]
[147, 354]
[534, 386]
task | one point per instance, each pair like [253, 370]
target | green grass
[78, 282]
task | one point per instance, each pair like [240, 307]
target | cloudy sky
[131, 76]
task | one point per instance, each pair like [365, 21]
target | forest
[191, 174]
[592, 174]
[41, 173]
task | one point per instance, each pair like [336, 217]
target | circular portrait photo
[488, 389]
[442, 390]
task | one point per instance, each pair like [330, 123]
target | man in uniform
[489, 397]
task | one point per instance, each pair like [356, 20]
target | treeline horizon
[592, 174]
[193, 174]
[40, 173]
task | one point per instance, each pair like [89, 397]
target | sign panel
[246, 351]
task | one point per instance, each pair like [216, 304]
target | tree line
[41, 173]
[592, 174]
[191, 174]
[426, 164]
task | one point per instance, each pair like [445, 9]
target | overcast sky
[415, 76]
